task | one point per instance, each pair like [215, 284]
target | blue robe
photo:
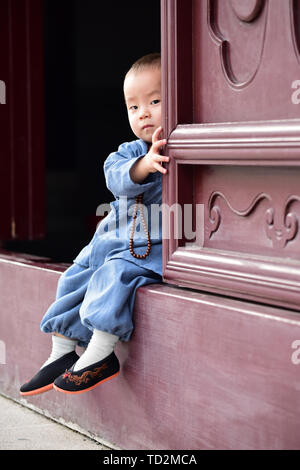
[112, 241]
[98, 290]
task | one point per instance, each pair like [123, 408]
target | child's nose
[144, 112]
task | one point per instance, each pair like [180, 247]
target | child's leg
[62, 319]
[106, 310]
[109, 301]
[60, 346]
[101, 345]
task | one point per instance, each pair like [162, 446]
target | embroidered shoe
[88, 378]
[44, 379]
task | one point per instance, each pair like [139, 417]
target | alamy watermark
[296, 94]
[2, 352]
[295, 358]
[2, 92]
[187, 221]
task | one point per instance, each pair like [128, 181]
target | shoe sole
[38, 391]
[86, 389]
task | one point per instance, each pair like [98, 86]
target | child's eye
[133, 108]
[155, 102]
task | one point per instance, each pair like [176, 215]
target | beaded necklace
[139, 205]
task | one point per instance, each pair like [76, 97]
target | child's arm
[117, 168]
[151, 162]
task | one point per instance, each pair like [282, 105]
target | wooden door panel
[22, 144]
[262, 220]
[6, 197]
[234, 145]
[246, 57]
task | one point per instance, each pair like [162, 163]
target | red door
[22, 149]
[232, 110]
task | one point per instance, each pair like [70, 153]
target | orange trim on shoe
[37, 391]
[87, 389]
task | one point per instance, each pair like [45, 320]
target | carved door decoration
[231, 81]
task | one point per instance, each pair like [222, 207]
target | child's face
[143, 100]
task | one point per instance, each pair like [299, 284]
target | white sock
[101, 345]
[60, 347]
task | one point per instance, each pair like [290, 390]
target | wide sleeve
[117, 171]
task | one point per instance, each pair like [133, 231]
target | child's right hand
[153, 160]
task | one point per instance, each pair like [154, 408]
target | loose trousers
[101, 298]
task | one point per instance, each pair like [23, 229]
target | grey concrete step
[24, 429]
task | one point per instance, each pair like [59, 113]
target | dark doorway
[88, 47]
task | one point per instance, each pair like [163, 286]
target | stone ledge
[201, 371]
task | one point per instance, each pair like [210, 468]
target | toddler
[95, 295]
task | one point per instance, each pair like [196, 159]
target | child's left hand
[153, 160]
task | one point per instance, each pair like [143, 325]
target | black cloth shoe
[88, 378]
[43, 380]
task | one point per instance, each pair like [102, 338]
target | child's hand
[153, 159]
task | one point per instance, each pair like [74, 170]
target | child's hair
[149, 60]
